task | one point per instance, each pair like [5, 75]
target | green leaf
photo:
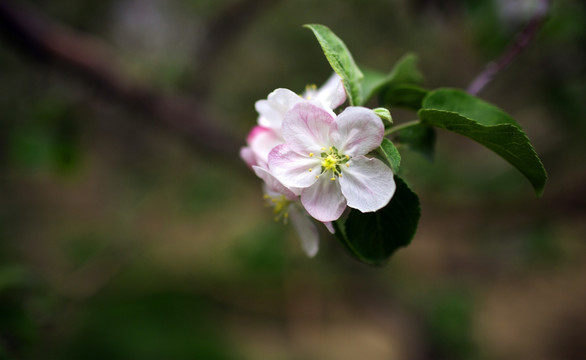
[457, 111]
[385, 115]
[419, 138]
[391, 154]
[404, 72]
[405, 96]
[373, 237]
[341, 61]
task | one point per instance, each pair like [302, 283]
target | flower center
[332, 161]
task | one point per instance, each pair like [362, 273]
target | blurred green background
[119, 241]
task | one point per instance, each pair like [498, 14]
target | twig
[521, 42]
[93, 62]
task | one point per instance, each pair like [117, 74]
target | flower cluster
[314, 162]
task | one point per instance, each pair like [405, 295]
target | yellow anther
[331, 149]
[347, 165]
[333, 178]
[310, 170]
[310, 154]
[317, 176]
[323, 149]
[347, 157]
[280, 205]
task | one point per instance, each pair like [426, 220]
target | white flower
[324, 157]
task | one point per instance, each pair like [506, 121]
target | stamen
[333, 178]
[310, 88]
[310, 170]
[280, 205]
[347, 164]
[310, 154]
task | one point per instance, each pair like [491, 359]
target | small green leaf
[373, 237]
[341, 61]
[457, 111]
[419, 138]
[384, 114]
[404, 72]
[391, 154]
[404, 95]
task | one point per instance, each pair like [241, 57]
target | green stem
[403, 126]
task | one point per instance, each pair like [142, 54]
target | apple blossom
[267, 134]
[324, 156]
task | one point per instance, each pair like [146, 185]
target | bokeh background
[121, 239]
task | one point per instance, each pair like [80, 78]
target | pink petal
[272, 110]
[291, 168]
[358, 131]
[324, 200]
[305, 229]
[261, 141]
[275, 185]
[306, 128]
[248, 156]
[255, 132]
[367, 184]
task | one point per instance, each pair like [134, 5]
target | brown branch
[94, 63]
[521, 42]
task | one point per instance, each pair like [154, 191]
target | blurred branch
[221, 31]
[94, 63]
[521, 42]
